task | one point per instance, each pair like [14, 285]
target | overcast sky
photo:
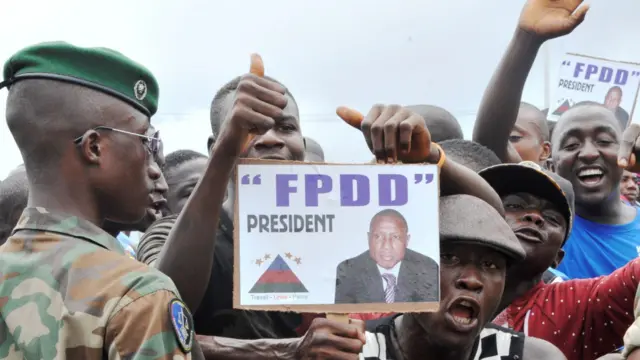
[328, 53]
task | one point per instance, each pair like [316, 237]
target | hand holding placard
[256, 102]
[393, 133]
[328, 339]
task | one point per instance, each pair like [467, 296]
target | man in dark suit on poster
[388, 272]
[612, 102]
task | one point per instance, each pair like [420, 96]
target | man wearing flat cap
[476, 249]
[80, 117]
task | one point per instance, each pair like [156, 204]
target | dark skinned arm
[187, 255]
[219, 348]
[454, 178]
[196, 352]
[325, 339]
[501, 101]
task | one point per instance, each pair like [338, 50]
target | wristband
[442, 157]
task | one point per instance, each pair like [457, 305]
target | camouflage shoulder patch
[182, 324]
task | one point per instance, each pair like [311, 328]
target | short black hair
[390, 213]
[179, 157]
[441, 123]
[470, 154]
[580, 104]
[14, 195]
[542, 120]
[44, 116]
[217, 108]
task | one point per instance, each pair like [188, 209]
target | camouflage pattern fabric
[632, 336]
[68, 291]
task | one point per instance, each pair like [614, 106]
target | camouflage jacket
[68, 291]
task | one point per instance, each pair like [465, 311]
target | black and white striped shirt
[495, 343]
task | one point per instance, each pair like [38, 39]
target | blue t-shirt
[596, 249]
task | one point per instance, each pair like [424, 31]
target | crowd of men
[539, 222]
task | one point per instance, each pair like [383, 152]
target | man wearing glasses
[80, 117]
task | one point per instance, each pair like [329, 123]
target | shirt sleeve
[144, 329]
[153, 240]
[149, 249]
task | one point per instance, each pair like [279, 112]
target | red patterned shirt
[584, 318]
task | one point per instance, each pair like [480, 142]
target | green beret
[100, 69]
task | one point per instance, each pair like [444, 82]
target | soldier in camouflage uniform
[80, 117]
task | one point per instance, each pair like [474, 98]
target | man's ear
[546, 152]
[210, 142]
[90, 147]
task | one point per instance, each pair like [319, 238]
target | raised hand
[393, 133]
[256, 102]
[630, 148]
[552, 18]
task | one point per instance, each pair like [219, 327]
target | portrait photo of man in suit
[388, 272]
[612, 101]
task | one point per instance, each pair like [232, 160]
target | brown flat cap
[465, 218]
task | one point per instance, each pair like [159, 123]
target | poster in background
[336, 238]
[611, 83]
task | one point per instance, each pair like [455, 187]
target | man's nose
[534, 217]
[154, 172]
[589, 152]
[470, 279]
[269, 140]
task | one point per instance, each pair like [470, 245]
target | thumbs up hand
[256, 102]
[629, 150]
[393, 133]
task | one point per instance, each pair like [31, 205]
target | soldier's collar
[41, 219]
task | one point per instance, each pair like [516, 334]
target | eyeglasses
[153, 142]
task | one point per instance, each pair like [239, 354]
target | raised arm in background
[540, 20]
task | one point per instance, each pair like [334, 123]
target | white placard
[319, 237]
[581, 78]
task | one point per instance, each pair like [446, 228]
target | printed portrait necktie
[390, 292]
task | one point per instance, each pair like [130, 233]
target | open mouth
[529, 234]
[463, 314]
[591, 176]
